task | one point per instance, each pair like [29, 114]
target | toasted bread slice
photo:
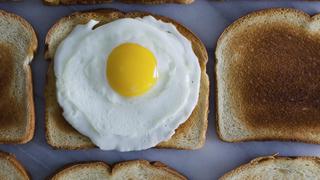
[59, 134]
[18, 43]
[273, 167]
[68, 2]
[268, 74]
[137, 169]
[158, 1]
[10, 168]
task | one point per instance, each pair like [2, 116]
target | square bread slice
[59, 134]
[274, 167]
[267, 75]
[68, 2]
[136, 169]
[10, 168]
[18, 42]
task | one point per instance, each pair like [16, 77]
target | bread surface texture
[18, 42]
[136, 169]
[10, 168]
[59, 134]
[69, 2]
[267, 76]
[158, 1]
[280, 168]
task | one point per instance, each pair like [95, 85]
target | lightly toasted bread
[59, 134]
[267, 75]
[158, 1]
[18, 42]
[10, 168]
[273, 167]
[68, 2]
[136, 169]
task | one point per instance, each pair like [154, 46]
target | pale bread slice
[267, 76]
[68, 2]
[273, 167]
[59, 134]
[10, 168]
[137, 169]
[18, 42]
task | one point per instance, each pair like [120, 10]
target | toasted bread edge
[57, 2]
[10, 157]
[257, 161]
[69, 168]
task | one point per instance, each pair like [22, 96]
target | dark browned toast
[18, 43]
[268, 77]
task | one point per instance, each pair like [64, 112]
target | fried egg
[127, 84]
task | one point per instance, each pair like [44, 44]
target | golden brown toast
[274, 167]
[68, 2]
[268, 74]
[10, 168]
[18, 43]
[59, 134]
[136, 169]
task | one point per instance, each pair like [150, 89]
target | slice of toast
[59, 134]
[18, 43]
[10, 168]
[273, 167]
[137, 169]
[68, 2]
[158, 1]
[267, 75]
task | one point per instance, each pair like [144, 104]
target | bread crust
[197, 121]
[12, 159]
[284, 135]
[69, 2]
[158, 1]
[266, 159]
[69, 168]
[32, 47]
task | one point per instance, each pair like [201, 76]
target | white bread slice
[137, 169]
[273, 167]
[59, 134]
[10, 168]
[267, 76]
[18, 43]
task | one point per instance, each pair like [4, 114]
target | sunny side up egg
[128, 84]
[131, 69]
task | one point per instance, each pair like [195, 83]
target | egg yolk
[131, 69]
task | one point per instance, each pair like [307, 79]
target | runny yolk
[131, 69]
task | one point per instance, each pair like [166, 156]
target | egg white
[114, 122]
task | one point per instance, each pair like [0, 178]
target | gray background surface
[205, 18]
